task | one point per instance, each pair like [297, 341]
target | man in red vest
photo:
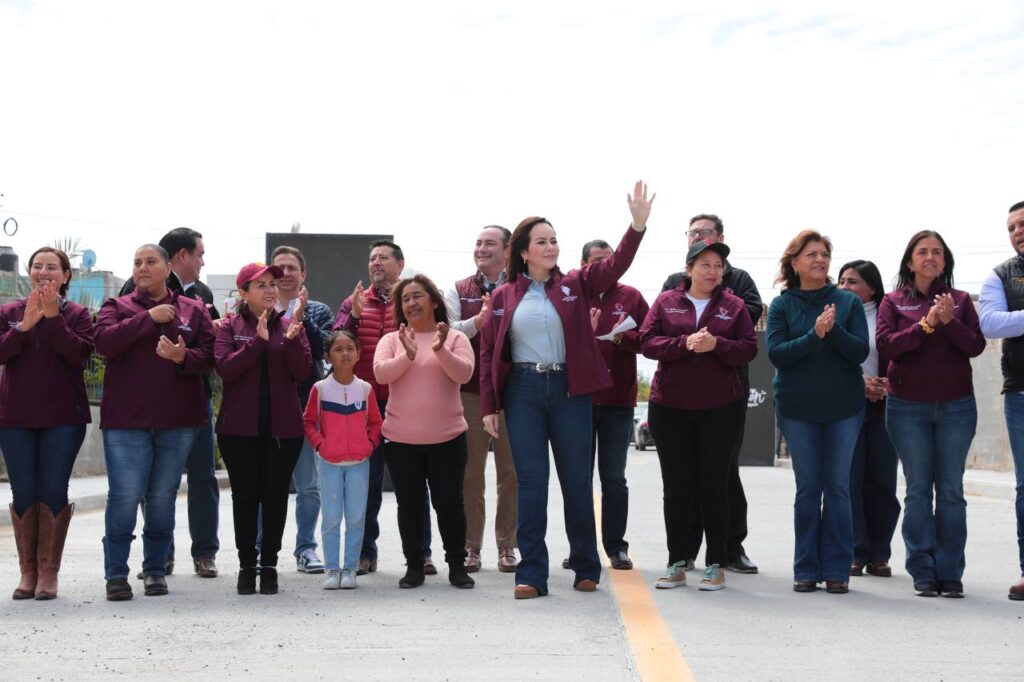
[468, 310]
[369, 313]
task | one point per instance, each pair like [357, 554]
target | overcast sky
[121, 120]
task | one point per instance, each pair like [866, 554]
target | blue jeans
[612, 426]
[932, 440]
[1013, 406]
[538, 411]
[39, 463]
[375, 498]
[307, 498]
[343, 496]
[142, 464]
[822, 517]
[876, 509]
[203, 493]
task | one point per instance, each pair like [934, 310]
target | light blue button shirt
[996, 321]
[536, 328]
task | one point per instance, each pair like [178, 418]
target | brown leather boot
[53, 530]
[26, 529]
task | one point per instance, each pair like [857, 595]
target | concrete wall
[991, 446]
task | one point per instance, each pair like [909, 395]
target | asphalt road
[755, 629]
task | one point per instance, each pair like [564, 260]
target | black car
[641, 433]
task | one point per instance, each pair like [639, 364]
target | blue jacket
[818, 380]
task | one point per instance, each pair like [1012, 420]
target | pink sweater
[424, 406]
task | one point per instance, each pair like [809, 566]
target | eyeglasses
[705, 233]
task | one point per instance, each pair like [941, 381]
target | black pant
[695, 451]
[442, 466]
[260, 471]
[737, 506]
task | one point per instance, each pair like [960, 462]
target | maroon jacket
[42, 383]
[141, 390]
[376, 320]
[928, 367]
[238, 353]
[697, 381]
[471, 302]
[616, 303]
[570, 294]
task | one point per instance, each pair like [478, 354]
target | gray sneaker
[333, 581]
[309, 562]
[348, 579]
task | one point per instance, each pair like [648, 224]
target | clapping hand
[261, 327]
[408, 338]
[293, 330]
[163, 313]
[485, 312]
[944, 308]
[299, 314]
[50, 301]
[701, 342]
[595, 317]
[823, 325]
[175, 352]
[442, 335]
[33, 310]
[640, 205]
[357, 298]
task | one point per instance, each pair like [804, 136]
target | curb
[98, 501]
[997, 491]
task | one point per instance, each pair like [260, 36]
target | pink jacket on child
[342, 422]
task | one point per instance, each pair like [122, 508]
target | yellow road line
[657, 655]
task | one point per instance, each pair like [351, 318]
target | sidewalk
[89, 493]
[999, 485]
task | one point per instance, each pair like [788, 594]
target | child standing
[342, 422]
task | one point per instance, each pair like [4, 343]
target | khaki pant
[473, 486]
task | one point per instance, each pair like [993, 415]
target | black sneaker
[268, 580]
[926, 588]
[155, 585]
[247, 580]
[118, 589]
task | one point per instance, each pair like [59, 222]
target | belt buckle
[539, 367]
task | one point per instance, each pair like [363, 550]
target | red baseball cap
[254, 271]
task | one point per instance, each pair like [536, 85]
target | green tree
[643, 387]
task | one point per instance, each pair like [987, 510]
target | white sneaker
[675, 576]
[333, 581]
[309, 562]
[348, 579]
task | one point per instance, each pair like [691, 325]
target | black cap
[700, 247]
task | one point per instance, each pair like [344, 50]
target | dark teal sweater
[818, 380]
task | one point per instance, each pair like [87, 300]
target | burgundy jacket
[141, 390]
[697, 381]
[618, 302]
[928, 367]
[570, 294]
[238, 353]
[471, 303]
[376, 320]
[42, 383]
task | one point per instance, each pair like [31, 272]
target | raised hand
[50, 301]
[932, 318]
[261, 327]
[299, 314]
[168, 350]
[33, 310]
[640, 205]
[408, 339]
[595, 317]
[163, 313]
[293, 330]
[442, 335]
[357, 300]
[491, 425]
[480, 319]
